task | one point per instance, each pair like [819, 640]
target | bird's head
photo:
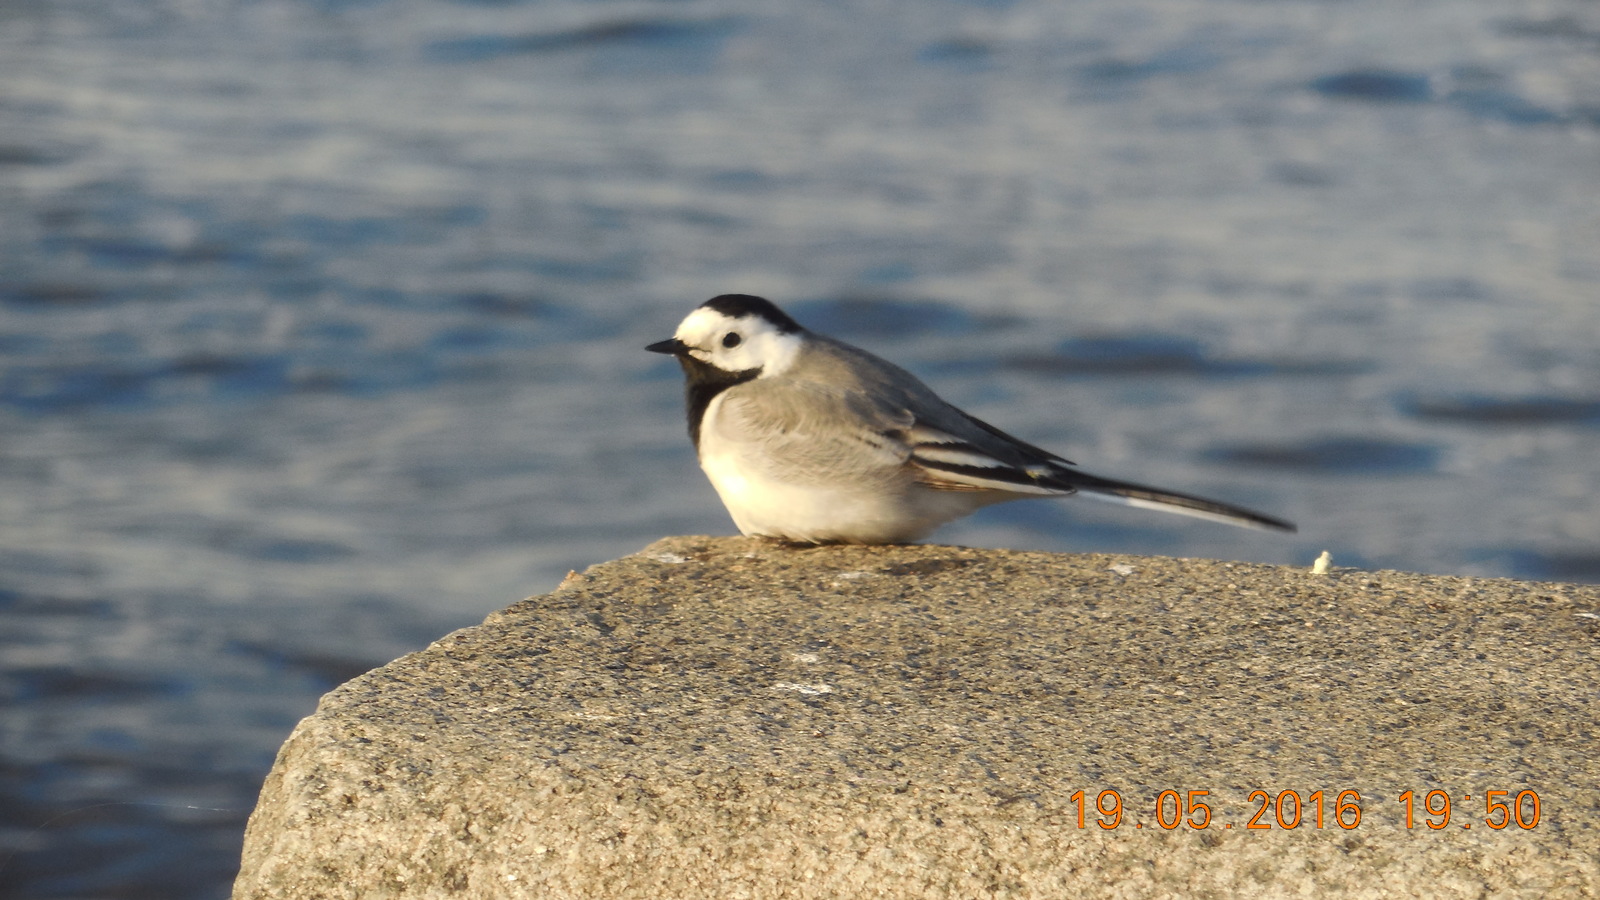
[735, 334]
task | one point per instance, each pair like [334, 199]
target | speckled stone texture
[730, 718]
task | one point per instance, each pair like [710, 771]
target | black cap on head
[737, 306]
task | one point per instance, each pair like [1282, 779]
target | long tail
[1146, 497]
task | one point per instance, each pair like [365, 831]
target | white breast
[880, 510]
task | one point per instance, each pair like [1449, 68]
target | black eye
[731, 339]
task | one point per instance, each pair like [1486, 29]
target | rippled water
[321, 322]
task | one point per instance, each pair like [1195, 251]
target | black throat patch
[702, 383]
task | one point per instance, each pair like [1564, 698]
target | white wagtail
[809, 439]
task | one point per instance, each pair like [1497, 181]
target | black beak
[670, 346]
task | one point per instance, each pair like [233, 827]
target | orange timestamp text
[1286, 810]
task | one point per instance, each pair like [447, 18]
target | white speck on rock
[802, 688]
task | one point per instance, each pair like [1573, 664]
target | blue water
[321, 323]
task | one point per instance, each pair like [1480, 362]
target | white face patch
[738, 344]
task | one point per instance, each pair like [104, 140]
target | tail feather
[1146, 497]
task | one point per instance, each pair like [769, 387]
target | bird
[810, 440]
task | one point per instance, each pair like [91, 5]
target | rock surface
[730, 718]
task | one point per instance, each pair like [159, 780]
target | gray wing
[861, 417]
[845, 415]
[806, 433]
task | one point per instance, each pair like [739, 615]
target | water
[321, 322]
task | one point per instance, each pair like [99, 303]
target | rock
[730, 718]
